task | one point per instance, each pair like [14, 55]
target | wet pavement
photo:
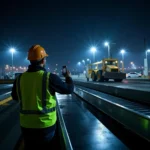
[84, 129]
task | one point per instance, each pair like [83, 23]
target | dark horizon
[68, 30]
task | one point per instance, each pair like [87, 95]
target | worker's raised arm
[57, 85]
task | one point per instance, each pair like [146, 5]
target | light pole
[122, 52]
[133, 66]
[121, 63]
[84, 64]
[147, 51]
[93, 50]
[12, 50]
[79, 64]
[108, 46]
[146, 63]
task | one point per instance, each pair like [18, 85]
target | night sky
[67, 29]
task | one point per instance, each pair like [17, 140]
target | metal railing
[5, 95]
[65, 136]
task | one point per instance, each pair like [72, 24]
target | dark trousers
[38, 138]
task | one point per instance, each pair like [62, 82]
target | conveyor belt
[133, 115]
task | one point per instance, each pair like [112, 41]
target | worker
[35, 90]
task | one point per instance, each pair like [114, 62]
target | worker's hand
[67, 74]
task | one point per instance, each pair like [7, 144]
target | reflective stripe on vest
[45, 110]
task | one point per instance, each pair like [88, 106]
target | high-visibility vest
[37, 105]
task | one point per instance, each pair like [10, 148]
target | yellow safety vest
[37, 105]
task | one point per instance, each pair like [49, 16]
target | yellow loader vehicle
[104, 70]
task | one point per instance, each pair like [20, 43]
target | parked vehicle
[134, 75]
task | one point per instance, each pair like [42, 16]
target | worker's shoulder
[17, 75]
[54, 77]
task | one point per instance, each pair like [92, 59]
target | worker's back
[35, 89]
[36, 100]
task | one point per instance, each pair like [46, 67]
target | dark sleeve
[57, 85]
[14, 92]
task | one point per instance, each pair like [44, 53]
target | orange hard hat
[36, 52]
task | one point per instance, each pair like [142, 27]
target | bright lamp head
[122, 51]
[106, 43]
[79, 63]
[148, 50]
[12, 50]
[93, 49]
